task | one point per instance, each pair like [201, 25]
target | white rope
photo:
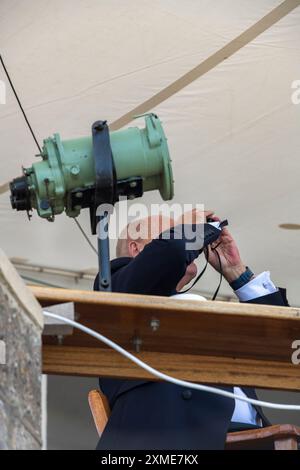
[168, 378]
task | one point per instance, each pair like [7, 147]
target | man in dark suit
[158, 415]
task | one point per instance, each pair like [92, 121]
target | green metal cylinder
[69, 165]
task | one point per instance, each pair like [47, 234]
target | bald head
[136, 235]
[139, 233]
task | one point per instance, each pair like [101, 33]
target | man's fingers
[196, 216]
[215, 218]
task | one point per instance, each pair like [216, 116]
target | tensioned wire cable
[20, 104]
[165, 377]
[85, 235]
[35, 138]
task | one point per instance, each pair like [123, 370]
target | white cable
[168, 378]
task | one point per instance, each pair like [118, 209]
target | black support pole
[104, 278]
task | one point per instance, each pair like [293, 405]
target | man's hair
[130, 232]
[141, 229]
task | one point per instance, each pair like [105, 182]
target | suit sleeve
[158, 268]
[277, 298]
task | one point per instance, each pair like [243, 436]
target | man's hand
[232, 265]
[195, 216]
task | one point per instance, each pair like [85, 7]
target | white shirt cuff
[258, 287]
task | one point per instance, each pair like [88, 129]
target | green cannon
[72, 172]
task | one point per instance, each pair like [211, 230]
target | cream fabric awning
[233, 129]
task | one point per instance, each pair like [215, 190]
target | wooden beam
[97, 362]
[216, 342]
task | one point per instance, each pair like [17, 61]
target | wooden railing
[209, 342]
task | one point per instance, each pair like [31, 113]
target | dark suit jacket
[158, 415]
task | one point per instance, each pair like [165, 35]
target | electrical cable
[165, 377]
[221, 272]
[85, 235]
[198, 277]
[206, 251]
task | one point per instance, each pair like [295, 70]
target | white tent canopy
[233, 132]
